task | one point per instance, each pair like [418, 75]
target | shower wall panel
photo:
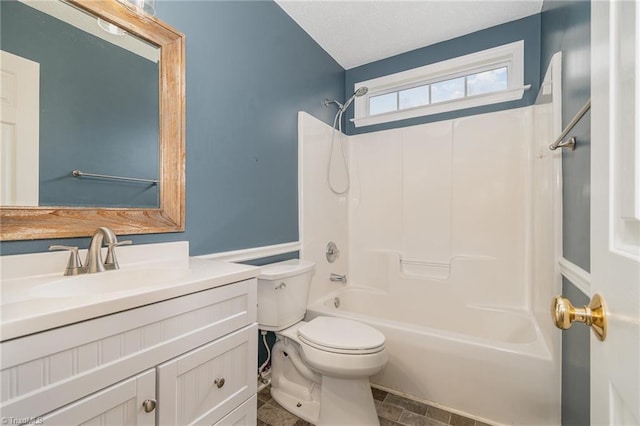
[442, 210]
[426, 192]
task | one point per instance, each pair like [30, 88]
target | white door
[19, 130]
[615, 209]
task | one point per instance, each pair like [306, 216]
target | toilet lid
[341, 335]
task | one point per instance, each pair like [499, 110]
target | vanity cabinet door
[120, 404]
[204, 385]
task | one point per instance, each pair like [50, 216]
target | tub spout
[338, 278]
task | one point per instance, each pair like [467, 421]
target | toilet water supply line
[292, 355]
[264, 364]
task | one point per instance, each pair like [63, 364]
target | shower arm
[361, 91]
[327, 102]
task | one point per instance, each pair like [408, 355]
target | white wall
[323, 215]
[547, 203]
[449, 201]
[546, 281]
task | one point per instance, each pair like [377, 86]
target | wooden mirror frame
[25, 223]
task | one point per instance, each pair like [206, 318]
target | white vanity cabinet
[102, 370]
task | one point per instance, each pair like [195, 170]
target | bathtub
[482, 362]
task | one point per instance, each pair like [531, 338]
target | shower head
[361, 91]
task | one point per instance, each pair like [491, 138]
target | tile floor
[393, 410]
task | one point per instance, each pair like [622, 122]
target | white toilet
[320, 369]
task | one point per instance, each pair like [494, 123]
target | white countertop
[45, 299]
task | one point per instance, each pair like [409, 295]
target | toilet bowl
[320, 369]
[342, 348]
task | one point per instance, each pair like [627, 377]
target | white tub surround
[323, 216]
[175, 333]
[450, 202]
[452, 238]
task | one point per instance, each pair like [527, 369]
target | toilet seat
[341, 336]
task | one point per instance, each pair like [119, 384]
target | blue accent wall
[566, 27]
[527, 29]
[250, 69]
[575, 365]
[86, 85]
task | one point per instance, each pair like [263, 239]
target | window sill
[469, 102]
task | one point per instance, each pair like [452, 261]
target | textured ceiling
[358, 32]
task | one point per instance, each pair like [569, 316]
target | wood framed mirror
[25, 223]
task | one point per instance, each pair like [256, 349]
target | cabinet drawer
[244, 415]
[120, 404]
[203, 385]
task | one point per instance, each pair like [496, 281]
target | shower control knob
[332, 252]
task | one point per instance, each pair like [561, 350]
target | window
[482, 78]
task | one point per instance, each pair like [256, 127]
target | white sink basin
[121, 281]
[29, 304]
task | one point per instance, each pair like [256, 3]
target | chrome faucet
[94, 262]
[338, 278]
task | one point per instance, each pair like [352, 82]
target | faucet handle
[74, 264]
[111, 262]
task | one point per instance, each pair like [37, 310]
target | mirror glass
[24, 221]
[76, 97]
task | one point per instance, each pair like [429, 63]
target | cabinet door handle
[149, 405]
[219, 382]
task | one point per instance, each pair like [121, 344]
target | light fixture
[110, 28]
[141, 7]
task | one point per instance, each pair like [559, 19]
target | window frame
[510, 55]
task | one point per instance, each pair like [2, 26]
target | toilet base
[347, 402]
[307, 410]
[319, 399]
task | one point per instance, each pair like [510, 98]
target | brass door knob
[564, 314]
[219, 382]
[149, 405]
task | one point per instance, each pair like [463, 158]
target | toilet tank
[283, 289]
